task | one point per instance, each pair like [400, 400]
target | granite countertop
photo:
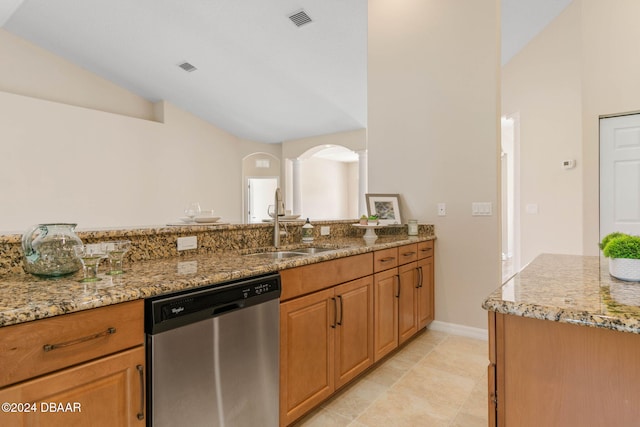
[570, 289]
[25, 297]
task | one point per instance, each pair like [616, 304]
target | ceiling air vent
[300, 18]
[187, 67]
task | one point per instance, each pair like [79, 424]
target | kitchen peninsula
[60, 336]
[564, 346]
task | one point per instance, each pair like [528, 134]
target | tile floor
[436, 380]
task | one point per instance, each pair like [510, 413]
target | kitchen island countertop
[570, 289]
[24, 297]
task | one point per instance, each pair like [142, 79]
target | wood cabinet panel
[80, 336]
[307, 326]
[385, 259]
[407, 301]
[557, 374]
[310, 278]
[407, 253]
[425, 249]
[385, 286]
[354, 331]
[105, 392]
[425, 293]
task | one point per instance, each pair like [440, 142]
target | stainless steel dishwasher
[213, 355]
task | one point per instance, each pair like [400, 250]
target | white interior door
[261, 194]
[620, 174]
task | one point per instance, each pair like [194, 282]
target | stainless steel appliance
[213, 355]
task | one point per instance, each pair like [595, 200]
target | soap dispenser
[307, 232]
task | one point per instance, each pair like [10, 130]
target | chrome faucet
[279, 211]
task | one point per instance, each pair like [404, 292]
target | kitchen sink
[312, 250]
[276, 255]
[290, 253]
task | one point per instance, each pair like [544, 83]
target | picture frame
[386, 206]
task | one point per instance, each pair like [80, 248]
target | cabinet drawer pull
[335, 313]
[408, 254]
[388, 259]
[141, 373]
[50, 347]
[426, 249]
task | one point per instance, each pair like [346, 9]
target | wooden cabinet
[411, 284]
[326, 338]
[385, 285]
[546, 373]
[85, 368]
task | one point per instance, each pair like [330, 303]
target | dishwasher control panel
[170, 311]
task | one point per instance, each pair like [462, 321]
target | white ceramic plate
[186, 219]
[206, 219]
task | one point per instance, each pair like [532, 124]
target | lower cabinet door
[354, 331]
[385, 285]
[105, 392]
[426, 308]
[407, 305]
[307, 328]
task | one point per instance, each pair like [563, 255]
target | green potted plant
[623, 251]
[364, 220]
[373, 220]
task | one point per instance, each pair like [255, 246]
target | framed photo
[386, 206]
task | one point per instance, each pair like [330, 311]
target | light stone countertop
[25, 297]
[570, 289]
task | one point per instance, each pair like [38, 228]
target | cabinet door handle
[398, 277]
[140, 369]
[421, 276]
[335, 313]
[341, 310]
[388, 259]
[50, 347]
[419, 281]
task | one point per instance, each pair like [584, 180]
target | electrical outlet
[325, 230]
[186, 243]
[442, 209]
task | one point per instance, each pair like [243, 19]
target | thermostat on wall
[568, 164]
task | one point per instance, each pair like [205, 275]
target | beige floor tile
[353, 401]
[467, 420]
[457, 361]
[390, 371]
[399, 409]
[443, 393]
[323, 418]
[436, 380]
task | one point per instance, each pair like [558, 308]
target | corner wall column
[362, 182]
[296, 186]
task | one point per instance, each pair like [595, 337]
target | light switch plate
[481, 209]
[442, 209]
[186, 243]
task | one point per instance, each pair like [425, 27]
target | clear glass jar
[413, 227]
[48, 250]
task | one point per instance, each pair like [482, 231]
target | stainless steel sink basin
[276, 255]
[311, 251]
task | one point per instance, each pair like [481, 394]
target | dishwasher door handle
[227, 307]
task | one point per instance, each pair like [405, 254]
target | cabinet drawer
[425, 249]
[35, 348]
[385, 259]
[314, 277]
[407, 253]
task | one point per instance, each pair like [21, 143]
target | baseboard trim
[462, 330]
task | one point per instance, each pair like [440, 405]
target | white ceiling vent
[187, 67]
[300, 18]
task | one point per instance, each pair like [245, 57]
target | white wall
[71, 160]
[325, 193]
[433, 135]
[543, 84]
[583, 65]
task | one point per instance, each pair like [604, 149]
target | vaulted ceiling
[258, 75]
